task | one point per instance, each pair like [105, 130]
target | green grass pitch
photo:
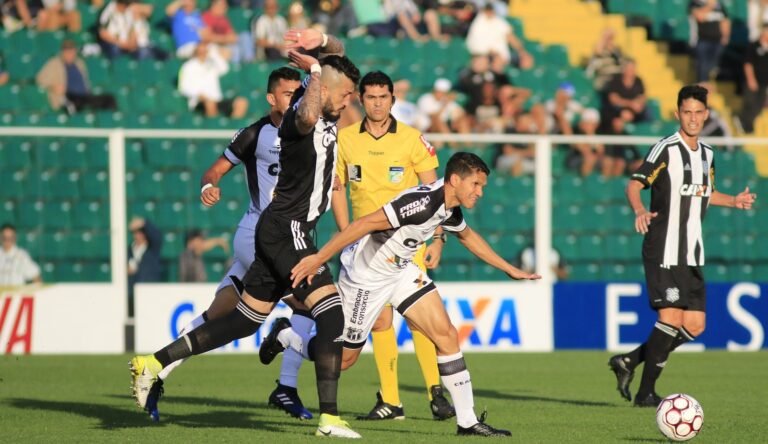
[563, 397]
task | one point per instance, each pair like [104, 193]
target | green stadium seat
[96, 272]
[622, 247]
[452, 271]
[34, 98]
[592, 247]
[173, 245]
[12, 184]
[453, 250]
[8, 210]
[179, 185]
[57, 215]
[567, 245]
[95, 185]
[169, 215]
[200, 214]
[585, 271]
[225, 215]
[483, 272]
[61, 185]
[90, 215]
[94, 245]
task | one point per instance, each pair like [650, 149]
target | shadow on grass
[495, 394]
[201, 401]
[110, 417]
[638, 439]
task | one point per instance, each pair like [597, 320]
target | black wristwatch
[440, 236]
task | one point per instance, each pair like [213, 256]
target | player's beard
[329, 113]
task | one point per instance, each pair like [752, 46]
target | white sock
[290, 339]
[455, 377]
[193, 324]
[292, 360]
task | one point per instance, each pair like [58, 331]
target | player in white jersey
[680, 172]
[257, 148]
[377, 269]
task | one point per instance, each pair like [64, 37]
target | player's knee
[695, 328]
[446, 340]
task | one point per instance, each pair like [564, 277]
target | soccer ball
[679, 417]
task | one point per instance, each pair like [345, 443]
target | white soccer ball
[679, 417]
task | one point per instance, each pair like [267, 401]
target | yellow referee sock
[427, 356]
[385, 353]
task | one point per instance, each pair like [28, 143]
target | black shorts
[280, 245]
[224, 107]
[679, 286]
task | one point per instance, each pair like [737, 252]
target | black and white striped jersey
[307, 166]
[257, 147]
[681, 180]
[414, 215]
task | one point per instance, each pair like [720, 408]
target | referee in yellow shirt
[379, 158]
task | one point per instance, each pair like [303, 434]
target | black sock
[241, 322]
[682, 337]
[635, 357]
[656, 352]
[326, 349]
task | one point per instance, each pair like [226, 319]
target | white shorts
[244, 247]
[363, 302]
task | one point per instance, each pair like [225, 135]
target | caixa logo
[480, 322]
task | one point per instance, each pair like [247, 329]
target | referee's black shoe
[482, 429]
[271, 347]
[649, 400]
[623, 375]
[382, 410]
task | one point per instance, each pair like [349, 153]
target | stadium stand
[56, 190]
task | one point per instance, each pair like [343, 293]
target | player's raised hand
[306, 268]
[745, 199]
[210, 196]
[307, 39]
[643, 220]
[301, 61]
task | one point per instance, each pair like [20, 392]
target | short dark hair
[192, 234]
[343, 65]
[283, 73]
[695, 92]
[463, 164]
[376, 78]
[7, 226]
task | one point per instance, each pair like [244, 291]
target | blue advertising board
[616, 316]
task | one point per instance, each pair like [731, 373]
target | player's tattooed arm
[309, 108]
[313, 41]
[333, 47]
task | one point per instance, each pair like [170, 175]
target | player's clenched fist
[210, 195]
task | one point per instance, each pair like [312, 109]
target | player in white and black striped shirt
[680, 171]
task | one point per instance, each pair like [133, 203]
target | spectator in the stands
[518, 158]
[191, 265]
[267, 31]
[757, 17]
[406, 111]
[41, 15]
[624, 95]
[405, 17]
[65, 77]
[4, 76]
[297, 18]
[715, 125]
[336, 16]
[583, 157]
[16, 265]
[605, 61]
[562, 110]
[487, 114]
[187, 26]
[618, 159]
[123, 29]
[473, 77]
[200, 83]
[755, 81]
[445, 114]
[144, 260]
[710, 33]
[492, 35]
[455, 15]
[558, 265]
[232, 46]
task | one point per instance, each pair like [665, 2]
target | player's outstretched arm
[480, 248]
[209, 195]
[742, 201]
[312, 39]
[308, 266]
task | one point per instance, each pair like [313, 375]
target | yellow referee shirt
[377, 170]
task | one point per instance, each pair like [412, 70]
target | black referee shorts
[679, 286]
[280, 245]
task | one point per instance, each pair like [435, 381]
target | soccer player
[283, 235]
[380, 157]
[680, 171]
[257, 148]
[377, 268]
